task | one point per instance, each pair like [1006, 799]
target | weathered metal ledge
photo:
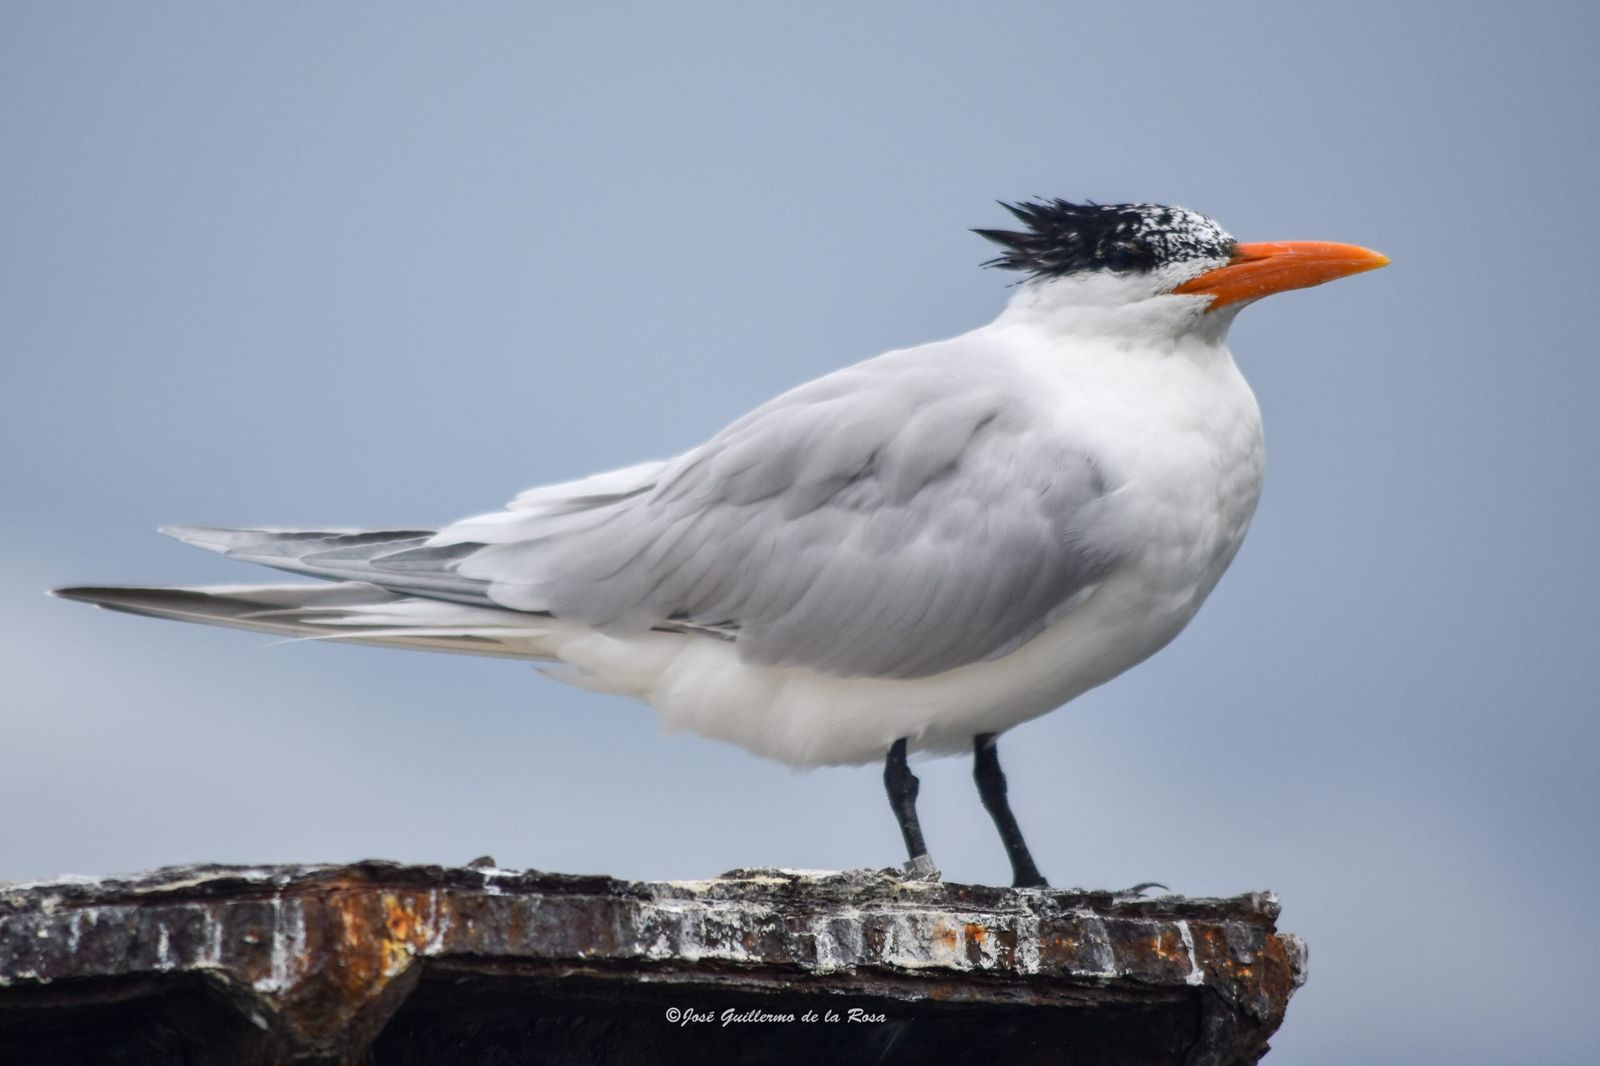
[383, 964]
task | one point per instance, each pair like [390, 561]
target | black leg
[901, 784]
[992, 788]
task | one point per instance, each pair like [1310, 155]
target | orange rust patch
[976, 933]
[1059, 949]
[405, 932]
[1169, 947]
[1277, 978]
[1211, 948]
[378, 937]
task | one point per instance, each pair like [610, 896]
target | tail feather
[399, 560]
[350, 612]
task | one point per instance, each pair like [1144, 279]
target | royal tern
[915, 553]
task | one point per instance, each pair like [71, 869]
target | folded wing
[889, 521]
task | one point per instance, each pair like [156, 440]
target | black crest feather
[1063, 237]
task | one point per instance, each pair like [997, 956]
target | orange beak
[1258, 270]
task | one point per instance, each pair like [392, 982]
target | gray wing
[896, 519]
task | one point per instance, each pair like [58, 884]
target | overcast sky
[366, 265]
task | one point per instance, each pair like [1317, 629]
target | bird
[913, 554]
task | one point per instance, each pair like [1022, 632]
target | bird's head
[1155, 266]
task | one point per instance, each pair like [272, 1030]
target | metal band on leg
[902, 785]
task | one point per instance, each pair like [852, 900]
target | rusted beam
[379, 963]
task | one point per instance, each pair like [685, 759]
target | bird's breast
[1180, 439]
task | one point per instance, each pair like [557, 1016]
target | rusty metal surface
[316, 961]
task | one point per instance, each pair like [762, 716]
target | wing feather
[896, 519]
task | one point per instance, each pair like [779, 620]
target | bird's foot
[921, 868]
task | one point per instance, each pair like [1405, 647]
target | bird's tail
[399, 560]
[351, 611]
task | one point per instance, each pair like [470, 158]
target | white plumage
[941, 541]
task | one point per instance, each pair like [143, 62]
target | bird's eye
[1125, 255]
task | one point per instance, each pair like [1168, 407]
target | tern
[912, 554]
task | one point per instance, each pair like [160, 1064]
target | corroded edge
[321, 954]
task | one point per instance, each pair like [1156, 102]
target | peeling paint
[164, 949]
[212, 955]
[440, 920]
[1104, 955]
[1196, 976]
[1027, 954]
[288, 945]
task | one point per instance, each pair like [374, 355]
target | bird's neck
[1107, 308]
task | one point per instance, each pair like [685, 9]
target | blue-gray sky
[389, 264]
